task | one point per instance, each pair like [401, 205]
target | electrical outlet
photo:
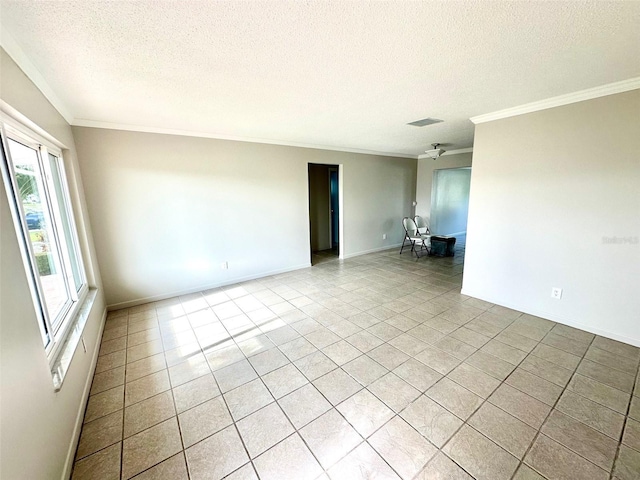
[225, 266]
[384, 236]
[556, 293]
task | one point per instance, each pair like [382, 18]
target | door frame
[341, 235]
[334, 169]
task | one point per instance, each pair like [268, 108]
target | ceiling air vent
[425, 121]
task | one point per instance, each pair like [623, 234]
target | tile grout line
[275, 400]
[297, 430]
[127, 364]
[233, 420]
[553, 407]
[368, 267]
[124, 396]
[485, 400]
[624, 423]
[337, 367]
[503, 382]
[169, 367]
[153, 396]
[365, 440]
[157, 321]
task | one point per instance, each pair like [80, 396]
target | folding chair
[413, 237]
[422, 224]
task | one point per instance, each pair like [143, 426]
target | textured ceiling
[347, 75]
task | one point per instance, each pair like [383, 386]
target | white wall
[546, 189]
[426, 167]
[168, 210]
[38, 427]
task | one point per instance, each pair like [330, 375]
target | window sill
[60, 366]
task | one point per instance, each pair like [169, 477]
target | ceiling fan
[435, 152]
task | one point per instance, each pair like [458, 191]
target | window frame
[54, 331]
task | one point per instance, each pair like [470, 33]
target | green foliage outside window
[45, 263]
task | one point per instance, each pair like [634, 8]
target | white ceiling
[345, 75]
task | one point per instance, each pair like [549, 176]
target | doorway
[324, 212]
[335, 208]
[450, 201]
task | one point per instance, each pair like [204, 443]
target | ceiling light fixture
[436, 152]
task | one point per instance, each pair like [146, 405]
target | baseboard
[557, 318]
[164, 296]
[71, 454]
[373, 250]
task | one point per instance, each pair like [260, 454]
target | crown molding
[8, 112]
[579, 96]
[31, 71]
[79, 122]
[448, 152]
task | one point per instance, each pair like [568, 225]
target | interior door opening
[324, 212]
[450, 202]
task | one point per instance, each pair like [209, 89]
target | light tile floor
[373, 367]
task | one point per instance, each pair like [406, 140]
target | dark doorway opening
[324, 212]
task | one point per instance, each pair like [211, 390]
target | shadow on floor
[323, 256]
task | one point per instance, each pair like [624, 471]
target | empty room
[332, 240]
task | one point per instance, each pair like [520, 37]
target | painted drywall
[555, 203]
[38, 427]
[168, 210]
[319, 207]
[424, 185]
[450, 201]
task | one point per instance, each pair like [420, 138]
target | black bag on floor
[442, 246]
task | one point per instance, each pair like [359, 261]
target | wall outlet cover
[556, 293]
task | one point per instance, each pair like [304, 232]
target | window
[35, 180]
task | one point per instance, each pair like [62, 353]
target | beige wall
[426, 167]
[168, 210]
[38, 427]
[547, 191]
